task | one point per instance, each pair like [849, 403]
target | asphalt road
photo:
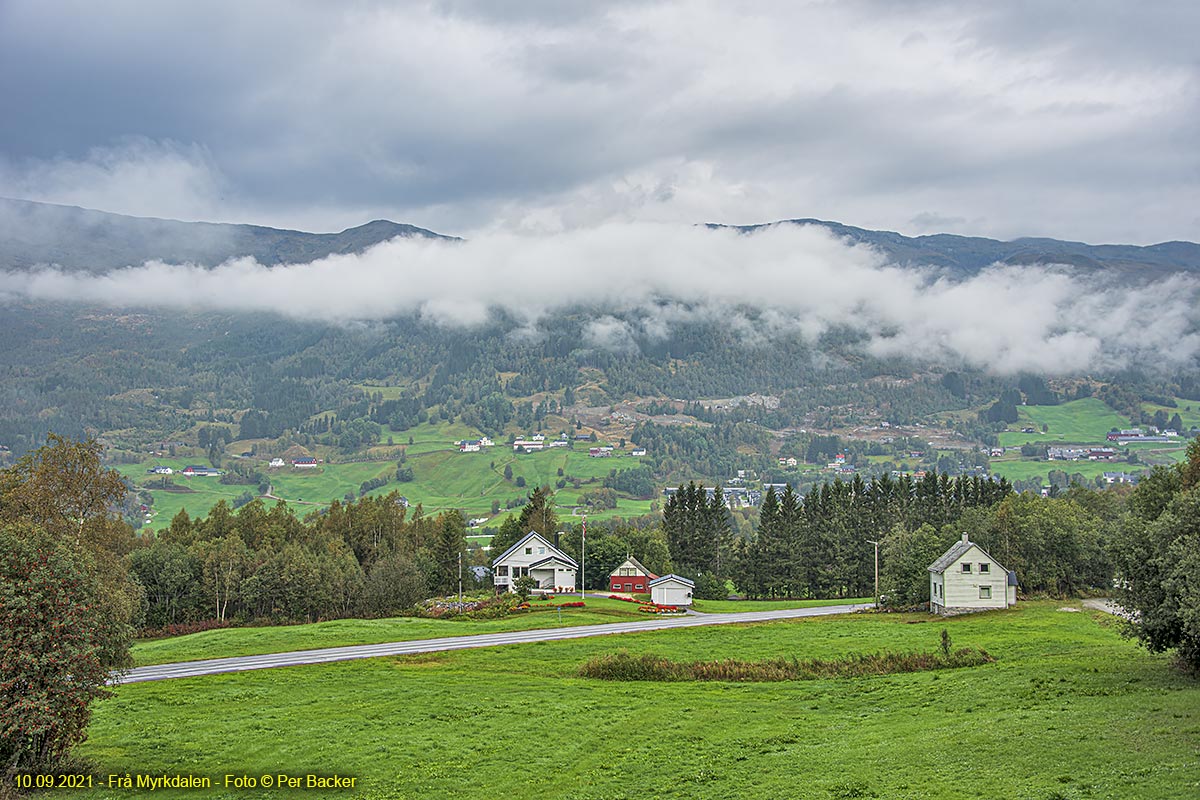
[213, 666]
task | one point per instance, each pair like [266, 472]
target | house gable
[535, 557]
[631, 563]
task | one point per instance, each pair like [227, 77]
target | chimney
[965, 539]
[556, 535]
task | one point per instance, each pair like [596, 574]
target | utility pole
[869, 541]
[583, 557]
[460, 580]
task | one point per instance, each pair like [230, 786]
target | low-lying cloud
[645, 279]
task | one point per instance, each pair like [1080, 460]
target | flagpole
[583, 557]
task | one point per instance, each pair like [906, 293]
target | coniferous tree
[448, 548]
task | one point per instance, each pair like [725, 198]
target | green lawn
[739, 606]
[1085, 421]
[225, 642]
[1069, 710]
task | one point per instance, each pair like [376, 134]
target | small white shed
[966, 579]
[671, 590]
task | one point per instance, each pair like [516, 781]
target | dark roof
[955, 552]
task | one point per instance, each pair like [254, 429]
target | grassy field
[1024, 470]
[1069, 710]
[739, 606]
[1188, 411]
[227, 642]
[1085, 421]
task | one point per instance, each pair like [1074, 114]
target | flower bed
[654, 608]
[623, 599]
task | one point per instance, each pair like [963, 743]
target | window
[985, 568]
[966, 567]
[502, 570]
[528, 551]
[541, 551]
[985, 593]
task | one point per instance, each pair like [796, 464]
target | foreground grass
[1069, 710]
[226, 642]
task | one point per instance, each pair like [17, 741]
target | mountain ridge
[79, 239]
[969, 254]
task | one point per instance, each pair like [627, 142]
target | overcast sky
[1077, 120]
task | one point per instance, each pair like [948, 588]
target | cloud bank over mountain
[642, 279]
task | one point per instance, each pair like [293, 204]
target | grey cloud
[1034, 118]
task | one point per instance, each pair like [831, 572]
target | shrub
[622, 666]
[184, 628]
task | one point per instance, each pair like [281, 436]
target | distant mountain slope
[969, 254]
[81, 239]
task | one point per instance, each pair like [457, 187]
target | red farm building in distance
[630, 577]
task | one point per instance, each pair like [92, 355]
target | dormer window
[966, 567]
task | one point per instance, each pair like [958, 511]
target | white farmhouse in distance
[967, 579]
[534, 556]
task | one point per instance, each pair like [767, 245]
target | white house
[276, 462]
[534, 556]
[966, 579]
[671, 590]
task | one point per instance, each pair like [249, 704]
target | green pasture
[429, 437]
[1070, 709]
[1188, 411]
[225, 642]
[443, 478]
[740, 606]
[1024, 470]
[1085, 421]
[450, 479]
